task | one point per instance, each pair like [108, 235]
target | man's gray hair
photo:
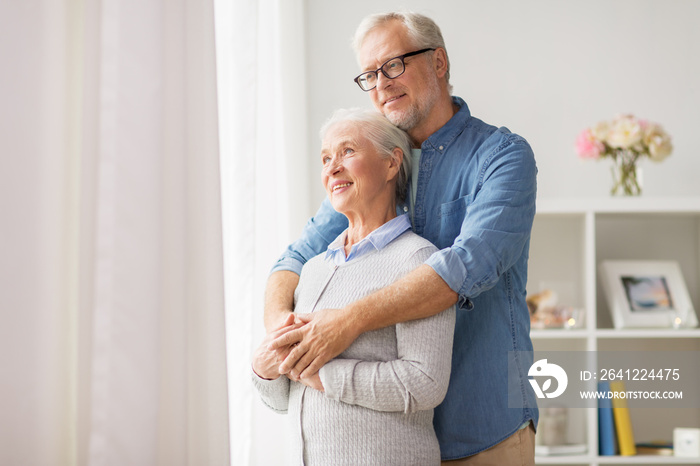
[423, 31]
[384, 136]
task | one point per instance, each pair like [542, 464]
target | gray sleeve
[274, 393]
[417, 380]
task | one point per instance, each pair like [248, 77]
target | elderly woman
[374, 403]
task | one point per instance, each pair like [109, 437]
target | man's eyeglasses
[392, 69]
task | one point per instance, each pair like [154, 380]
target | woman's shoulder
[411, 240]
[412, 246]
[315, 268]
[319, 263]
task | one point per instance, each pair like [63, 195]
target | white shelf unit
[570, 237]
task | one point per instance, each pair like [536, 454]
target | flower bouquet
[625, 140]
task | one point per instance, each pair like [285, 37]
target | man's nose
[382, 81]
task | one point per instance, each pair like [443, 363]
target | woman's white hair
[423, 31]
[384, 136]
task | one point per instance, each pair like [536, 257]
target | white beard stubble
[419, 110]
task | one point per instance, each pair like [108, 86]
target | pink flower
[587, 146]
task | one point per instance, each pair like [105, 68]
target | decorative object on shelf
[686, 442]
[625, 139]
[546, 312]
[552, 433]
[647, 294]
[551, 429]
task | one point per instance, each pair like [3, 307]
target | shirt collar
[443, 137]
[376, 240]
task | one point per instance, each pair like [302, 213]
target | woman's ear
[395, 162]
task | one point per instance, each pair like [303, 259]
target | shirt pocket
[451, 215]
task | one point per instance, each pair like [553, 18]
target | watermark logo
[580, 379]
[542, 368]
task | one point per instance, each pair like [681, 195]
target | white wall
[546, 69]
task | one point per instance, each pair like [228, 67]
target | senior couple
[398, 332]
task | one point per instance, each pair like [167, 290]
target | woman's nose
[334, 166]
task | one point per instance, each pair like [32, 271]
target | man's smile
[393, 99]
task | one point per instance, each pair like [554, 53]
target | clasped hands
[302, 345]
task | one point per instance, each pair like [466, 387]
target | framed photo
[647, 294]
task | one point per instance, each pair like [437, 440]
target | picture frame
[646, 294]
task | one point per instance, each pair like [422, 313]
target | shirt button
[405, 209]
[441, 147]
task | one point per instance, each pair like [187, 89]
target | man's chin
[402, 120]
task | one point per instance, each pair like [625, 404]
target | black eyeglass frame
[381, 68]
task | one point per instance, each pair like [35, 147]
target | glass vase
[626, 174]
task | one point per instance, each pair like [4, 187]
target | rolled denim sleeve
[497, 222]
[317, 234]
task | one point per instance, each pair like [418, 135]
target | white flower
[658, 142]
[625, 132]
[601, 130]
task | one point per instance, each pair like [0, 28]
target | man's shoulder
[491, 141]
[493, 134]
[478, 130]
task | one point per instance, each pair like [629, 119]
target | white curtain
[262, 111]
[112, 342]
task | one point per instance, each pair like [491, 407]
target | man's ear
[440, 62]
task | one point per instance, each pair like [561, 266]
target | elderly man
[473, 195]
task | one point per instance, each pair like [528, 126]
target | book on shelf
[606, 424]
[554, 450]
[657, 448]
[623, 424]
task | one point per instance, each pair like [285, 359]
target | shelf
[570, 238]
[646, 459]
[614, 333]
[661, 205]
[611, 333]
[640, 459]
[564, 459]
[647, 333]
[556, 333]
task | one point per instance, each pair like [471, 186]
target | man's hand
[266, 362]
[326, 334]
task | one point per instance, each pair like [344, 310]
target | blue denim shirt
[475, 200]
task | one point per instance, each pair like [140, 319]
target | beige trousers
[516, 450]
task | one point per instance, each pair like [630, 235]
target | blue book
[606, 424]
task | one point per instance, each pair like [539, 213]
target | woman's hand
[313, 381]
[266, 362]
[327, 333]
